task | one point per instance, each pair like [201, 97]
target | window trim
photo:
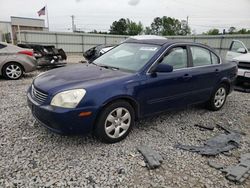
[178, 46]
[148, 72]
[210, 51]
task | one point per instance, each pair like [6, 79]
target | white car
[239, 53]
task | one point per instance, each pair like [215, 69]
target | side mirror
[163, 68]
[242, 50]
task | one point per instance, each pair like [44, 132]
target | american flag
[42, 11]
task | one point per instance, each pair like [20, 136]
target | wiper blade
[108, 67]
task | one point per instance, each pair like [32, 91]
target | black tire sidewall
[211, 104]
[4, 71]
[99, 130]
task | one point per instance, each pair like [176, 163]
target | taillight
[26, 52]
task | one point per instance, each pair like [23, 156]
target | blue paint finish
[150, 93]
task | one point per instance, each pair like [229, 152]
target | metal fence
[219, 42]
[80, 42]
[70, 42]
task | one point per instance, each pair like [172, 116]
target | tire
[115, 122]
[12, 71]
[218, 98]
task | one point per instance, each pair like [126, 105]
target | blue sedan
[138, 78]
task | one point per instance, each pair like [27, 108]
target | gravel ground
[31, 156]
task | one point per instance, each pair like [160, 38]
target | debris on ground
[153, 159]
[31, 137]
[228, 130]
[215, 165]
[215, 145]
[241, 171]
[205, 127]
[238, 173]
[242, 89]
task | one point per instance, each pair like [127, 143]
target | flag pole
[47, 13]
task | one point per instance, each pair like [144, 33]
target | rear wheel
[12, 71]
[218, 98]
[115, 122]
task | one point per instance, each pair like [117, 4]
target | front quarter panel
[100, 95]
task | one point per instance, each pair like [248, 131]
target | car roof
[158, 40]
[147, 39]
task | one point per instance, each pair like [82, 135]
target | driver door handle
[217, 71]
[186, 77]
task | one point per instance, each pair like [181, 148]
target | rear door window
[201, 56]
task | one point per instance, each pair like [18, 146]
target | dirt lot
[31, 156]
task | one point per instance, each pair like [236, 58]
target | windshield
[128, 56]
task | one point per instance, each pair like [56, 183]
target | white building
[9, 30]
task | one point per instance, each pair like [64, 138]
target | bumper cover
[244, 73]
[60, 120]
[50, 62]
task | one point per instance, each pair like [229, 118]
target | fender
[129, 98]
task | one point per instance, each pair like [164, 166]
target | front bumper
[62, 121]
[243, 75]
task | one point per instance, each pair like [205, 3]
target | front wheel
[115, 122]
[218, 98]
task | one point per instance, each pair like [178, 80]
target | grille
[38, 95]
[244, 65]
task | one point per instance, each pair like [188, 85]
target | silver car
[14, 61]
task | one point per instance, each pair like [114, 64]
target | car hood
[244, 58]
[76, 76]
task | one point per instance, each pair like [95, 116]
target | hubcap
[220, 97]
[13, 71]
[117, 122]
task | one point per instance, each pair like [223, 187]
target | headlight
[68, 99]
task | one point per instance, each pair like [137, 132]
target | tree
[168, 26]
[213, 32]
[185, 29]
[243, 31]
[126, 27]
[148, 31]
[231, 30]
[133, 28]
[156, 26]
[119, 27]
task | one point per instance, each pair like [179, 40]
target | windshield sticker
[148, 48]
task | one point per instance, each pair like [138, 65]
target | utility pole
[47, 13]
[187, 25]
[73, 22]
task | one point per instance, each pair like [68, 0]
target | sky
[99, 14]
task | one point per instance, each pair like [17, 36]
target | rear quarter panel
[28, 63]
[228, 74]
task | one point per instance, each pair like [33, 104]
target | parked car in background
[136, 79]
[239, 53]
[47, 55]
[95, 52]
[14, 61]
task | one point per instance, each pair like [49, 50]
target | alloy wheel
[220, 97]
[13, 71]
[117, 122]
